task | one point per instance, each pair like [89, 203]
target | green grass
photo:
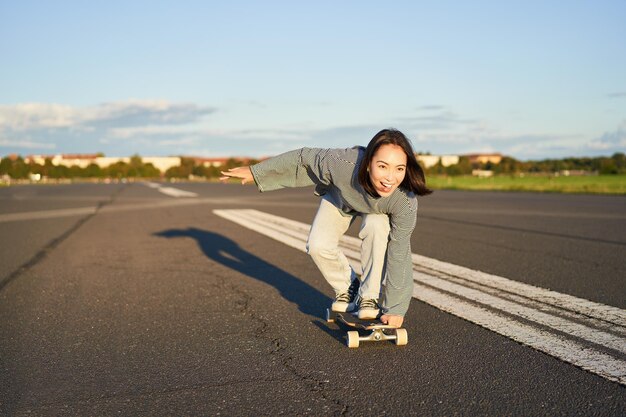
[593, 184]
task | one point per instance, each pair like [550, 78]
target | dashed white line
[587, 334]
[172, 192]
[47, 214]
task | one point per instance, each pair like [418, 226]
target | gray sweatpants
[323, 246]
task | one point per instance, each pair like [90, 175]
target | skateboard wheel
[330, 316]
[402, 337]
[353, 339]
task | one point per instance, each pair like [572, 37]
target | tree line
[18, 168]
[615, 164]
[189, 168]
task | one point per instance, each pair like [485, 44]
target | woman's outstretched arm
[243, 173]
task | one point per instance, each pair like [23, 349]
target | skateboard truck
[377, 330]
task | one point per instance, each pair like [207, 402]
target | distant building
[162, 163]
[447, 160]
[84, 160]
[106, 161]
[575, 173]
[483, 158]
[209, 162]
[218, 162]
[482, 173]
[428, 161]
[68, 160]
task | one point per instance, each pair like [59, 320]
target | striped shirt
[335, 172]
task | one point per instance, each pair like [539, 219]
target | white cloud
[439, 118]
[33, 116]
[271, 134]
[25, 144]
[122, 127]
[129, 132]
[27, 116]
[158, 127]
[430, 107]
[185, 141]
[611, 141]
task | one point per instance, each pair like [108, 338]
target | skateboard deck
[374, 329]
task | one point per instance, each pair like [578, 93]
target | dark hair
[414, 179]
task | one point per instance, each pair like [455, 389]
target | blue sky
[532, 79]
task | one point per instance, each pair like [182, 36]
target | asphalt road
[119, 299]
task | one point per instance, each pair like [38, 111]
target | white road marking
[46, 214]
[175, 192]
[584, 333]
[81, 211]
[172, 192]
[152, 205]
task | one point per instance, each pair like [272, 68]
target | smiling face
[387, 169]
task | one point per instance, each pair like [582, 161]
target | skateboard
[376, 331]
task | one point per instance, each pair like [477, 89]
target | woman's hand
[243, 173]
[392, 320]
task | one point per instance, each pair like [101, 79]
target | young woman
[378, 183]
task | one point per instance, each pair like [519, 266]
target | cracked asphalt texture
[149, 309]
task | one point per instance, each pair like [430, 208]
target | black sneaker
[345, 301]
[368, 309]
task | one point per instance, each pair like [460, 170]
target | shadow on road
[225, 251]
